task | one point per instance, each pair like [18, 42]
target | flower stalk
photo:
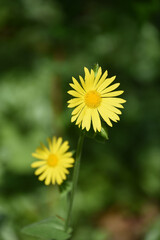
[75, 179]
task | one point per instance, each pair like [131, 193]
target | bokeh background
[43, 43]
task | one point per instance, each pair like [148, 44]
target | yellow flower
[93, 99]
[53, 162]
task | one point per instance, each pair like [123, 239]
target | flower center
[92, 99]
[52, 160]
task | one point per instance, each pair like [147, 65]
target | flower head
[53, 162]
[94, 98]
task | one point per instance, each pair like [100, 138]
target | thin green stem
[75, 179]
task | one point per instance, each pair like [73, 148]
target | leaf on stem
[52, 228]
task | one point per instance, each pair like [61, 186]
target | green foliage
[52, 228]
[104, 132]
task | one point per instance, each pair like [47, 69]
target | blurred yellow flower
[53, 162]
[94, 98]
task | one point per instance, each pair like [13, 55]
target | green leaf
[104, 132]
[95, 69]
[52, 228]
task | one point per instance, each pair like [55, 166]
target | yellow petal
[64, 147]
[38, 164]
[65, 171]
[77, 85]
[110, 89]
[78, 89]
[66, 160]
[53, 178]
[102, 79]
[62, 174]
[106, 83]
[86, 123]
[87, 73]
[67, 155]
[54, 140]
[75, 102]
[96, 120]
[57, 145]
[77, 109]
[41, 169]
[81, 115]
[45, 148]
[42, 157]
[67, 165]
[48, 177]
[110, 102]
[99, 73]
[92, 77]
[112, 94]
[115, 100]
[87, 78]
[111, 108]
[104, 115]
[83, 83]
[41, 152]
[58, 178]
[114, 117]
[74, 93]
[50, 144]
[73, 118]
[43, 175]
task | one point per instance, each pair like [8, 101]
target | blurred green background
[43, 43]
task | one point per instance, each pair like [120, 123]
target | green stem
[75, 178]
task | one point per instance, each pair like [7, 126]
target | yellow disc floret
[92, 99]
[52, 160]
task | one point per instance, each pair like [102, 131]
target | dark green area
[43, 43]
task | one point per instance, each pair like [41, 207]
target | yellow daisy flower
[94, 98]
[53, 162]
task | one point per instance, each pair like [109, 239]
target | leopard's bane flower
[53, 162]
[94, 98]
